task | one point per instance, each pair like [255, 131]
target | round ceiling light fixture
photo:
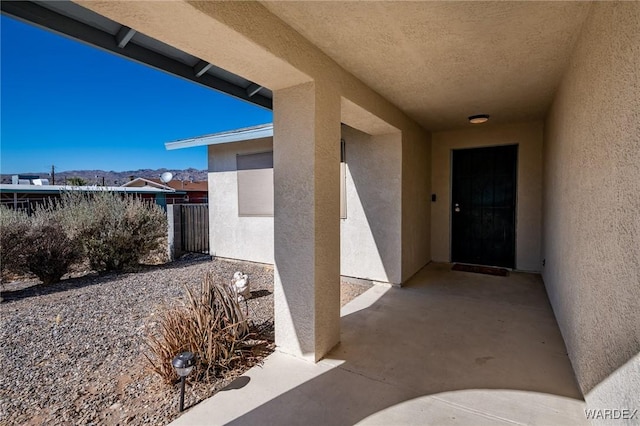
[479, 118]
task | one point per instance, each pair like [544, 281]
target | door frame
[516, 200]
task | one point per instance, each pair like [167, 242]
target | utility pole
[53, 174]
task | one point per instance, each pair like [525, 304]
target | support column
[307, 219]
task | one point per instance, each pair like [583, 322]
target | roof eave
[248, 133]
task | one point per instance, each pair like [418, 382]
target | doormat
[487, 270]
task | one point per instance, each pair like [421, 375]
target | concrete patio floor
[449, 348]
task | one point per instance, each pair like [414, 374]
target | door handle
[457, 208]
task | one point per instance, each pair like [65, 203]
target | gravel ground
[72, 352]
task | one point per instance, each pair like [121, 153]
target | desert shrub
[37, 244]
[13, 227]
[112, 232]
[212, 326]
[115, 231]
[49, 252]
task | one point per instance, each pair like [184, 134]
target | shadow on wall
[628, 375]
[454, 334]
[372, 231]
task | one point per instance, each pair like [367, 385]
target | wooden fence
[195, 227]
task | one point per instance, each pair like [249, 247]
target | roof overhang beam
[253, 89]
[124, 36]
[201, 68]
[45, 18]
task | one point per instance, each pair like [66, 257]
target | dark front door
[484, 205]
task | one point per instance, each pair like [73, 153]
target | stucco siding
[232, 236]
[416, 212]
[371, 233]
[528, 137]
[592, 207]
[370, 240]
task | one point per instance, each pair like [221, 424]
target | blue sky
[77, 107]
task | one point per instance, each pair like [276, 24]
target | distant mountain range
[112, 178]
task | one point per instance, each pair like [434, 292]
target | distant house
[185, 192]
[30, 193]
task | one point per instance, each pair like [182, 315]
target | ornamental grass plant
[212, 325]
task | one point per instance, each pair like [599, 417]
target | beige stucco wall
[592, 207]
[231, 236]
[416, 211]
[528, 137]
[370, 241]
[306, 177]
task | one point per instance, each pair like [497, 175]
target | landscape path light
[183, 364]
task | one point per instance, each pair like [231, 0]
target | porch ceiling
[444, 61]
